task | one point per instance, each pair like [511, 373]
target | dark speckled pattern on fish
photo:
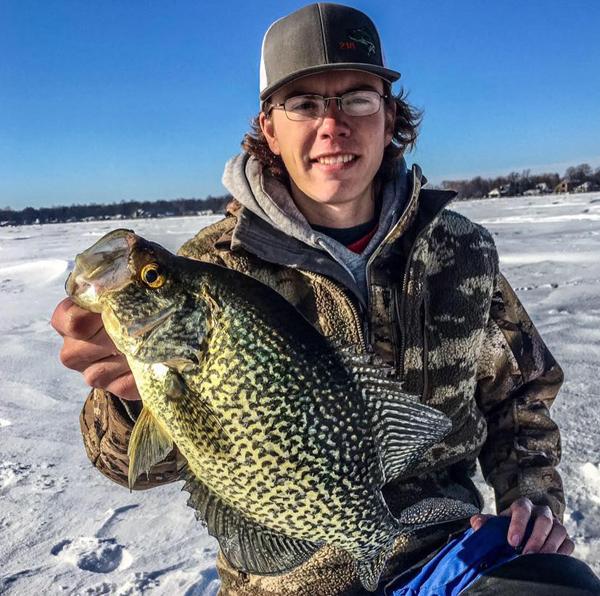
[282, 433]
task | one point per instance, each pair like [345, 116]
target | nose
[334, 122]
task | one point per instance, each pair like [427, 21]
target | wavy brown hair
[406, 124]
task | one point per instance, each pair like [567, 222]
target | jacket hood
[270, 225]
[269, 199]
[266, 197]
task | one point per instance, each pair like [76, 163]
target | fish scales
[266, 422]
[288, 439]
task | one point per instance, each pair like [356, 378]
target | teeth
[335, 159]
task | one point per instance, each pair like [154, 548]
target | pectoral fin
[149, 444]
[197, 409]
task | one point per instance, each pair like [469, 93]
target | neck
[348, 214]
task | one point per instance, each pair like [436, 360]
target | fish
[288, 436]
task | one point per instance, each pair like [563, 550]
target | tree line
[122, 210]
[517, 183]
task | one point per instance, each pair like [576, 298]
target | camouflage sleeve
[517, 382]
[106, 424]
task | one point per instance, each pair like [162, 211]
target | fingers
[124, 387]
[555, 539]
[479, 520]
[566, 548]
[548, 535]
[79, 354]
[88, 349]
[520, 512]
[112, 374]
[103, 372]
[72, 321]
[542, 528]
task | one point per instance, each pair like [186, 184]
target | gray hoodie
[267, 200]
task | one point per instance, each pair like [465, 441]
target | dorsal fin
[246, 544]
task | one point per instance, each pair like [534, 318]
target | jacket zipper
[425, 343]
[414, 196]
[400, 305]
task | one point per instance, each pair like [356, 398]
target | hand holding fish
[88, 349]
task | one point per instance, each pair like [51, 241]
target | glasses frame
[338, 100]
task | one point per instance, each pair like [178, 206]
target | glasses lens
[304, 107]
[361, 103]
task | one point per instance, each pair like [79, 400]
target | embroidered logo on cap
[364, 38]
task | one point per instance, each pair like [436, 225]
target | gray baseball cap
[317, 38]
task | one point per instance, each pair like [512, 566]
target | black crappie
[288, 439]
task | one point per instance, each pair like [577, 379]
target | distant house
[532, 192]
[543, 187]
[585, 187]
[564, 186]
[503, 191]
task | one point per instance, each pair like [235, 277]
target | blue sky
[106, 100]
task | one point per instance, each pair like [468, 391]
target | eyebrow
[303, 91]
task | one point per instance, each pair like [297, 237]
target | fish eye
[152, 276]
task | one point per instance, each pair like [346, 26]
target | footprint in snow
[12, 472]
[139, 583]
[40, 476]
[102, 589]
[98, 555]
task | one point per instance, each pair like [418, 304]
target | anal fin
[435, 510]
[149, 444]
[248, 545]
[369, 571]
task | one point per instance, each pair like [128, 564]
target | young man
[328, 215]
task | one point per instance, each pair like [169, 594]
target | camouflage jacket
[440, 312]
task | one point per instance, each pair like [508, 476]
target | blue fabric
[463, 560]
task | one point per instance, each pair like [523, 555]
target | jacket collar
[254, 232]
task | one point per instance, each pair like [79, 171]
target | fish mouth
[102, 268]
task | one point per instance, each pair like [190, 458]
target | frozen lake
[65, 529]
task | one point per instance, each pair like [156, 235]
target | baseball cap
[317, 38]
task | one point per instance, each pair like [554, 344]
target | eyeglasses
[310, 107]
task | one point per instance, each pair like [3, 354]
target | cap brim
[385, 73]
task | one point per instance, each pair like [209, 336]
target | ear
[268, 128]
[390, 119]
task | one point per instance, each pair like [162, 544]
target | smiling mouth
[334, 160]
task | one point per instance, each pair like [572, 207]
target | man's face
[313, 150]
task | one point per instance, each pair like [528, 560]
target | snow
[65, 529]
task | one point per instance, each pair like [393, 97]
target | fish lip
[103, 267]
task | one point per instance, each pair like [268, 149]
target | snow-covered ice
[65, 529]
